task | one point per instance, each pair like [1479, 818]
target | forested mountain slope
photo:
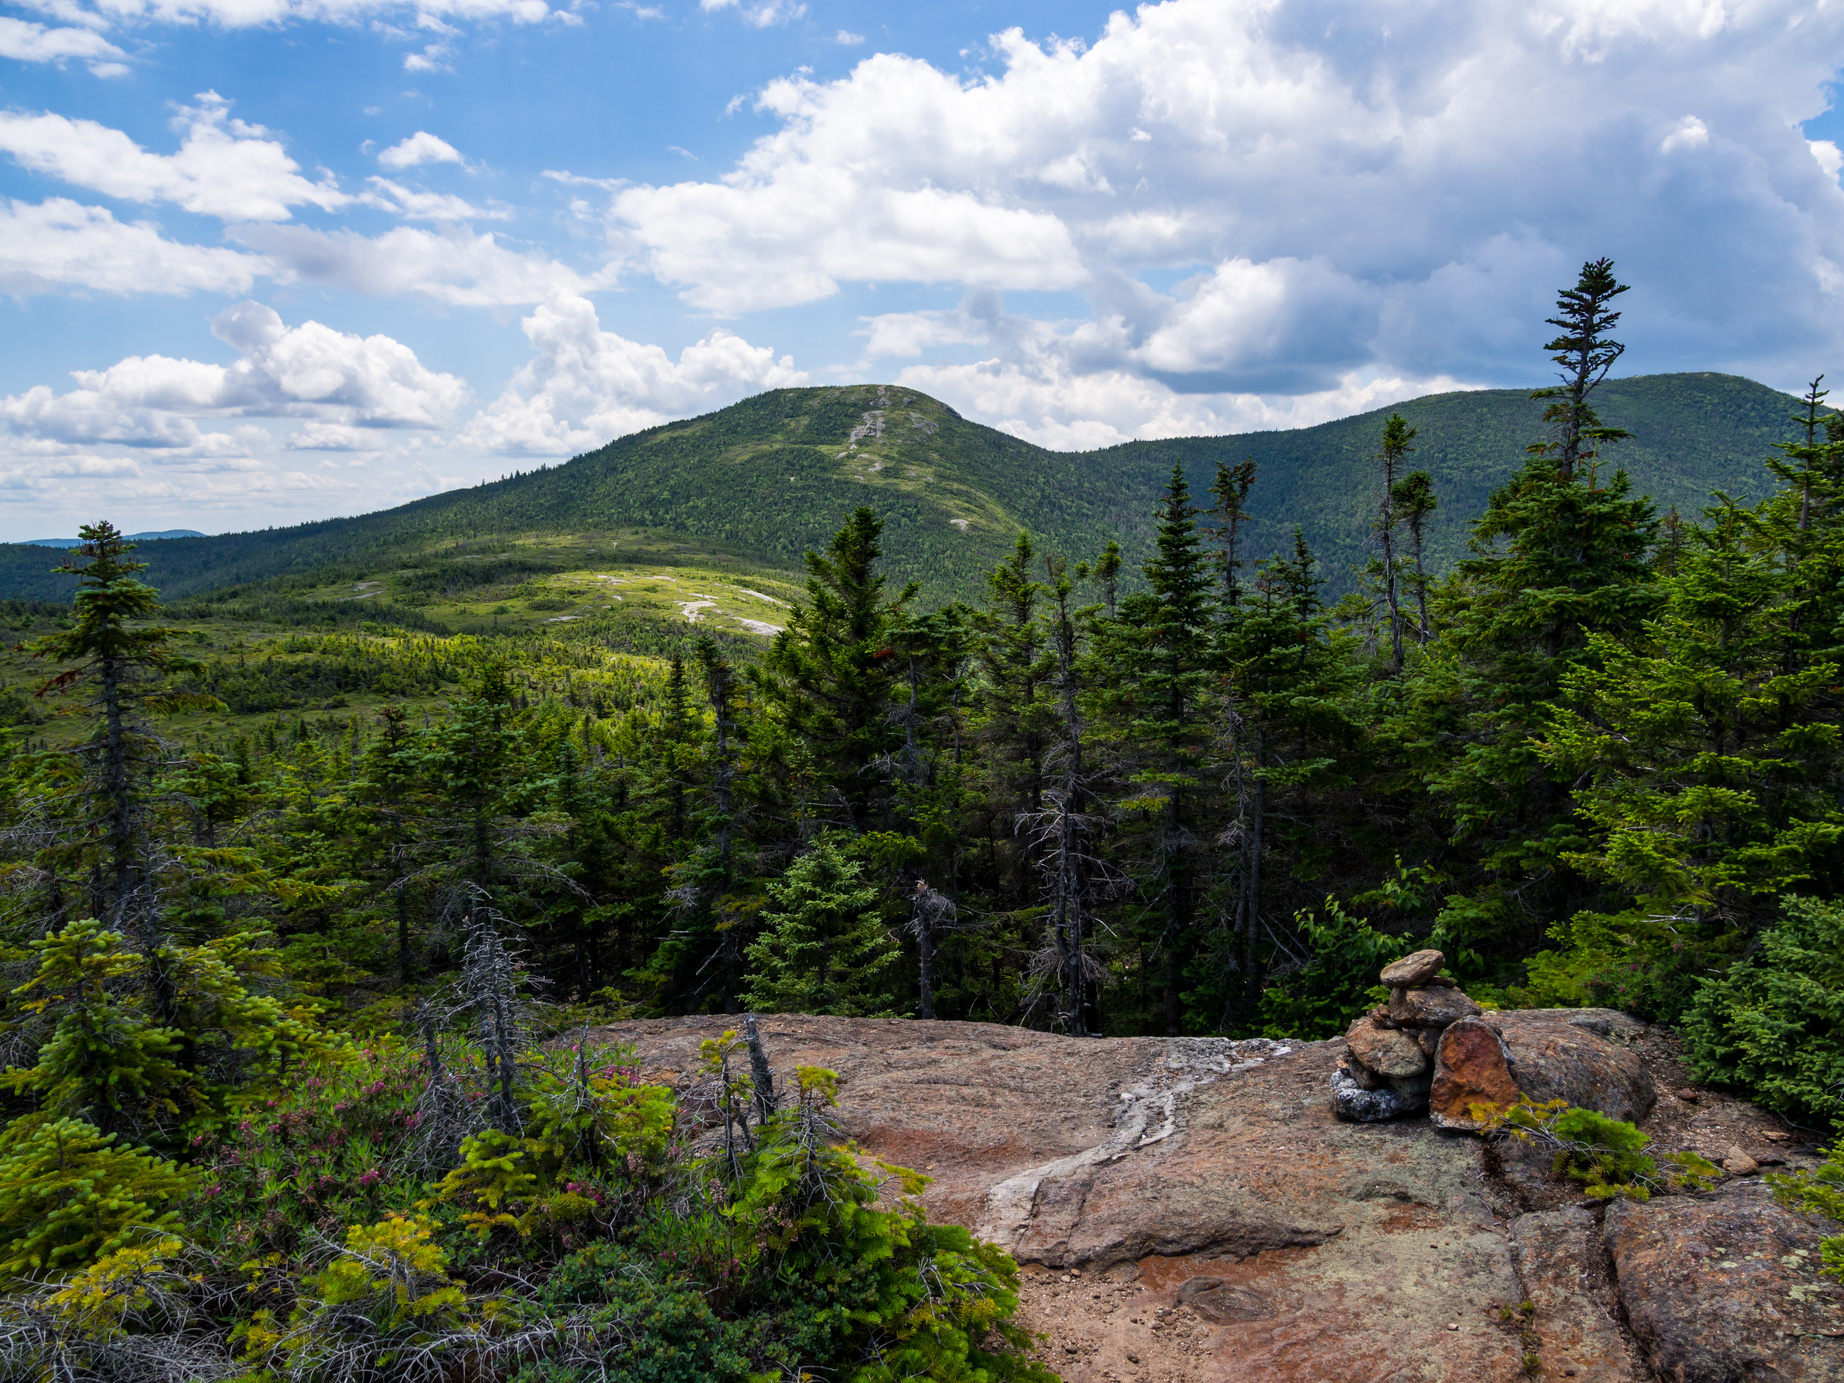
[774, 475]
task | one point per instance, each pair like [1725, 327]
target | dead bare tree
[1064, 832]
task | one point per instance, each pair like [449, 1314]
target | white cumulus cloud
[1328, 178]
[585, 386]
[421, 147]
[223, 167]
[455, 266]
[155, 402]
[24, 41]
[60, 245]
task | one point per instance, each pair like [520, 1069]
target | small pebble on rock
[1739, 1164]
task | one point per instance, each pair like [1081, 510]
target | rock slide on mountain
[1194, 1209]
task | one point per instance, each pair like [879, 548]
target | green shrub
[69, 1196]
[1658, 989]
[659, 1328]
[1606, 1156]
[1322, 997]
[1774, 1025]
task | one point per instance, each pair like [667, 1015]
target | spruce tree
[1584, 353]
[1398, 438]
[823, 947]
[1708, 775]
[1292, 738]
[1016, 712]
[1163, 651]
[1560, 554]
[1413, 501]
[832, 676]
[122, 664]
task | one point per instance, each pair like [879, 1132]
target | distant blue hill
[135, 537]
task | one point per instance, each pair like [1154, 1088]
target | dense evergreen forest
[299, 1014]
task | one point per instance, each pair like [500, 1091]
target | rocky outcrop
[1433, 1048]
[1727, 1288]
[1194, 1209]
[1575, 1310]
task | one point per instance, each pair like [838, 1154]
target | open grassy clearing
[588, 620]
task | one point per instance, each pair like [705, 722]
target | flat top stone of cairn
[1413, 970]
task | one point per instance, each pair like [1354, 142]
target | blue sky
[270, 260]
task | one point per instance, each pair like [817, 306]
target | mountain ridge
[766, 478]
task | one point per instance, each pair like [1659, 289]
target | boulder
[1411, 971]
[1558, 1260]
[1542, 1054]
[1572, 1055]
[1433, 1007]
[1471, 1067]
[1727, 1287]
[1387, 1051]
[1363, 1104]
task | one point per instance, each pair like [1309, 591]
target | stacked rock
[1389, 1065]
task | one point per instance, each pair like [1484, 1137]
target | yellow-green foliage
[931, 1295]
[98, 1300]
[589, 1115]
[494, 1176]
[1607, 1156]
[69, 1196]
[387, 1292]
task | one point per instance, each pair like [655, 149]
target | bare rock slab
[1727, 1288]
[1336, 1252]
[1559, 1260]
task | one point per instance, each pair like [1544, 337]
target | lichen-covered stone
[1471, 1067]
[1413, 970]
[1351, 1101]
[1555, 1057]
[1727, 1287]
[1430, 1008]
[1387, 1051]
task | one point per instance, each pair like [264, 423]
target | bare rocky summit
[1194, 1209]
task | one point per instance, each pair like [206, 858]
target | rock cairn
[1391, 1054]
